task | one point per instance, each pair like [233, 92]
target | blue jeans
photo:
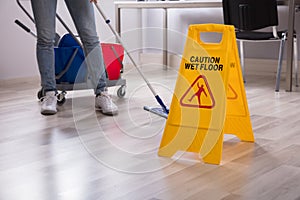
[83, 16]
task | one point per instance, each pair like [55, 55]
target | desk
[165, 5]
[290, 50]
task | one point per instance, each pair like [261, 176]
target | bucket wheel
[61, 98]
[121, 91]
[40, 94]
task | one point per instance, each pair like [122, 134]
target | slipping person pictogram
[199, 93]
[202, 88]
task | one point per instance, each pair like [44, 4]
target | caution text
[204, 63]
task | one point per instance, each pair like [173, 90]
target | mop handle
[25, 28]
[25, 11]
[107, 21]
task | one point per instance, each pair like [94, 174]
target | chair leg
[242, 60]
[279, 67]
[296, 61]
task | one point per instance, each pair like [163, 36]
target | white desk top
[168, 4]
[179, 4]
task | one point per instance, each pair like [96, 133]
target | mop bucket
[113, 55]
[69, 65]
[71, 69]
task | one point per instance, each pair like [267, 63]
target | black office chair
[248, 16]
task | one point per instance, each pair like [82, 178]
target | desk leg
[290, 47]
[118, 20]
[165, 39]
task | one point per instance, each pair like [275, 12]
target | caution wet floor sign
[209, 98]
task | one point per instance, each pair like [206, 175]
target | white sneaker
[104, 102]
[48, 103]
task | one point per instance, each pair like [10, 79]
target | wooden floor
[82, 154]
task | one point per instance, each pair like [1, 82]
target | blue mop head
[158, 111]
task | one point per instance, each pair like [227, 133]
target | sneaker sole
[48, 112]
[106, 113]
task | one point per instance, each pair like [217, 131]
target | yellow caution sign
[209, 98]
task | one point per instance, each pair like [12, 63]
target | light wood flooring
[81, 154]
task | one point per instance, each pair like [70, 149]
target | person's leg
[44, 15]
[82, 13]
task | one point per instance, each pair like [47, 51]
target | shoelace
[108, 100]
[105, 95]
[45, 98]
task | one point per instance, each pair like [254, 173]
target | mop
[163, 111]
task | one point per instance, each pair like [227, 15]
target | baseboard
[266, 67]
[19, 80]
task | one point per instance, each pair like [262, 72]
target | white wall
[17, 58]
[17, 48]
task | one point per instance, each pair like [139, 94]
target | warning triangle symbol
[198, 95]
[231, 93]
